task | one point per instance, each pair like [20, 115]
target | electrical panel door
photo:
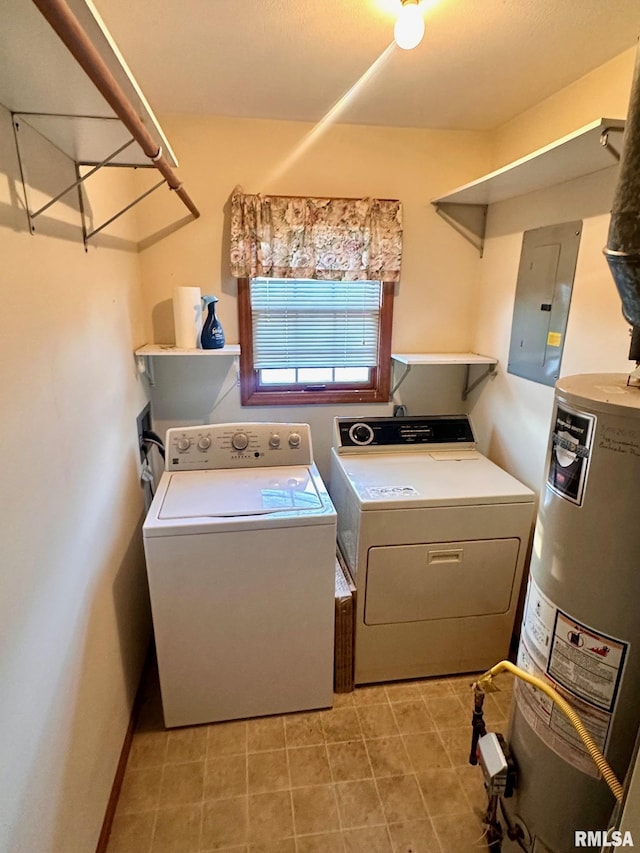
[543, 295]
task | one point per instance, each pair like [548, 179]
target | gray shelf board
[39, 75]
[575, 155]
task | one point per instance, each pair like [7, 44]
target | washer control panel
[428, 432]
[238, 445]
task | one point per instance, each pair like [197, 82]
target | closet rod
[68, 28]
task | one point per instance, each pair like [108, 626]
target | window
[315, 296]
[314, 341]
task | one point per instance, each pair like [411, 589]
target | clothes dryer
[435, 536]
[240, 545]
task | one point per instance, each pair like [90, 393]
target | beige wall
[603, 93]
[73, 601]
[277, 157]
[434, 301]
[513, 414]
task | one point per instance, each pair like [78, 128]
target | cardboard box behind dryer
[345, 603]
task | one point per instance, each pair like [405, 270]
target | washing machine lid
[225, 494]
[438, 478]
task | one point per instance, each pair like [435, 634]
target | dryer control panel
[427, 432]
[237, 445]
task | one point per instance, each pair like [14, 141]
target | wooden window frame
[376, 391]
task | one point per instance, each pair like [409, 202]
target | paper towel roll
[187, 316]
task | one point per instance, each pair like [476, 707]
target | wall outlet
[143, 422]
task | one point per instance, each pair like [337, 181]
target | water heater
[581, 622]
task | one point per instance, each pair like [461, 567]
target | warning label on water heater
[587, 663]
[583, 665]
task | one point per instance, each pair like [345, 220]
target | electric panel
[543, 295]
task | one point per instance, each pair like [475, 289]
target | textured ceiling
[481, 61]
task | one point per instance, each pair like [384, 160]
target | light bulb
[409, 28]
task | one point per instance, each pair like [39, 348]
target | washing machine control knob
[204, 443]
[184, 443]
[274, 440]
[240, 440]
[294, 439]
[361, 434]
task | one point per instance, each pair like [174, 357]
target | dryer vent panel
[543, 295]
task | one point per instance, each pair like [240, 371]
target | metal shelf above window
[62, 74]
[593, 147]
[409, 360]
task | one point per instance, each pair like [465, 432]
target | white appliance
[240, 544]
[435, 536]
[580, 629]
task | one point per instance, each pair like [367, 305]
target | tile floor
[386, 769]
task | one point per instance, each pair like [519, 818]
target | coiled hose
[600, 761]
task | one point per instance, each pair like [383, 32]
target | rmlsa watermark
[602, 838]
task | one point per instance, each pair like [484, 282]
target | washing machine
[240, 544]
[435, 536]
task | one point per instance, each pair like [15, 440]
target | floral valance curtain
[343, 239]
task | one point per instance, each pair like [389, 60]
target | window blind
[311, 323]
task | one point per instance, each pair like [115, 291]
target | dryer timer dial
[361, 434]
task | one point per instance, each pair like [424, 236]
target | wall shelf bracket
[606, 143]
[17, 119]
[87, 235]
[86, 105]
[469, 220]
[405, 373]
[144, 365]
[469, 386]
[113, 160]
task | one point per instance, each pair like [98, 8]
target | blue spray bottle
[212, 335]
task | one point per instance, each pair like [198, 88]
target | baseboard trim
[116, 788]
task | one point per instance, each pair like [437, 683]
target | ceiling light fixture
[409, 28]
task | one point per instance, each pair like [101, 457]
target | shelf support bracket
[33, 214]
[75, 38]
[606, 144]
[405, 373]
[17, 118]
[469, 220]
[111, 219]
[144, 364]
[468, 387]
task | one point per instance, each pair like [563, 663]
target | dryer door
[439, 580]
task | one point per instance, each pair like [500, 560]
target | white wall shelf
[412, 358]
[432, 359]
[39, 76]
[171, 349]
[146, 354]
[593, 147]
[44, 86]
